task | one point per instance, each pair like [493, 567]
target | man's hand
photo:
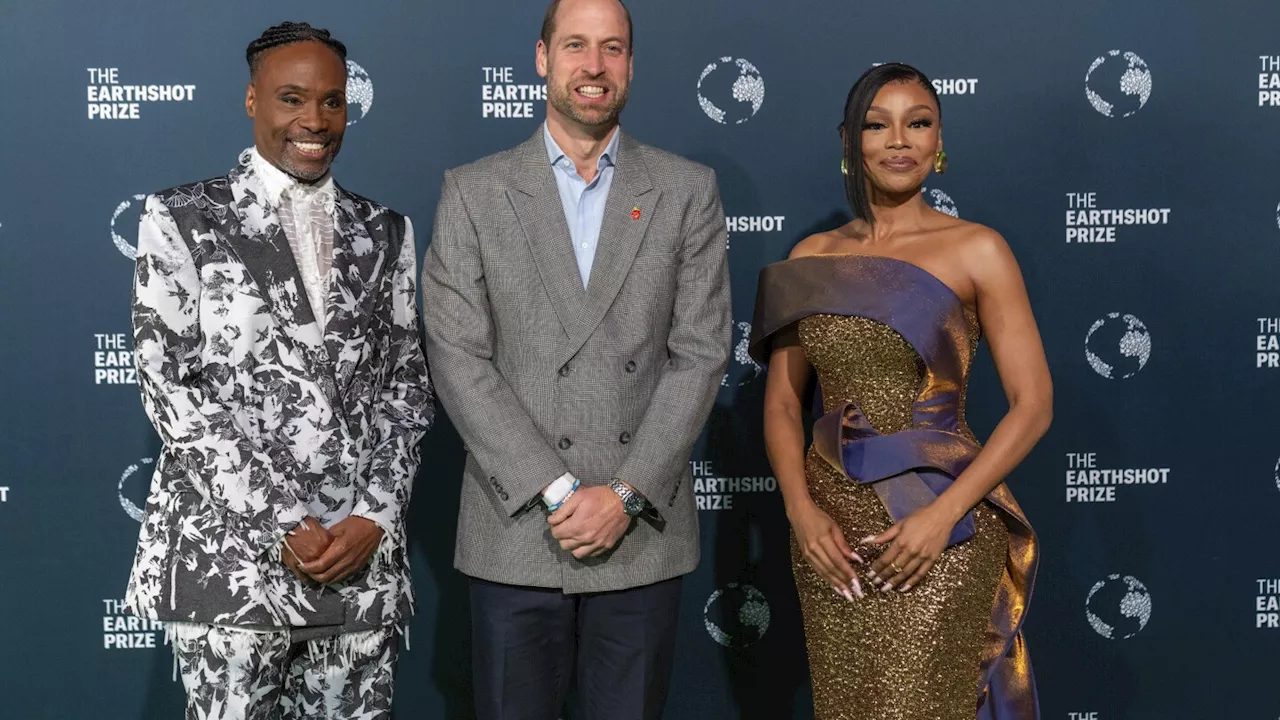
[306, 542]
[590, 522]
[354, 541]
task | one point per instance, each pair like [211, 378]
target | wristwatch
[632, 503]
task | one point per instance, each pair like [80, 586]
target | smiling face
[901, 135]
[587, 63]
[298, 103]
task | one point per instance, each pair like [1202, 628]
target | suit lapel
[357, 261]
[621, 231]
[262, 248]
[536, 200]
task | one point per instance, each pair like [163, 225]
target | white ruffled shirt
[306, 212]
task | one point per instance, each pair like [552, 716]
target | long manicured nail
[857, 558]
[857, 588]
[886, 587]
[905, 588]
[847, 595]
[872, 574]
[867, 539]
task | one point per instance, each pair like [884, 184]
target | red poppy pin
[635, 213]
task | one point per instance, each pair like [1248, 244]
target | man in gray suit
[576, 302]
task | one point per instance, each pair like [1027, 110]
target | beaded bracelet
[563, 500]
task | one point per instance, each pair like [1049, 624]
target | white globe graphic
[130, 507]
[1117, 346]
[746, 369]
[1118, 83]
[1119, 607]
[736, 616]
[730, 91]
[1277, 474]
[123, 245]
[1278, 215]
[940, 201]
[359, 92]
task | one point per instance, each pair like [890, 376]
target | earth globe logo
[1277, 474]
[753, 370]
[736, 616]
[730, 91]
[940, 201]
[1117, 346]
[1278, 215]
[1118, 82]
[123, 245]
[359, 91]
[130, 507]
[1119, 607]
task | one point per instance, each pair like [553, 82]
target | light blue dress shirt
[583, 203]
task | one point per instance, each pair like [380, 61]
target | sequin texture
[891, 655]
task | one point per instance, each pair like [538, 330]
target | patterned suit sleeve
[460, 336]
[406, 407]
[698, 349]
[226, 467]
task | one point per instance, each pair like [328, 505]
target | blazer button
[505, 497]
[631, 366]
[564, 371]
[565, 443]
[624, 438]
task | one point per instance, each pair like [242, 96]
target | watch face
[632, 503]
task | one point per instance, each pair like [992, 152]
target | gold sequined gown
[953, 644]
[892, 655]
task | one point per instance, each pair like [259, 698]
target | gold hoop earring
[844, 166]
[940, 162]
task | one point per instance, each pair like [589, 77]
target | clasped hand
[590, 522]
[914, 545]
[332, 555]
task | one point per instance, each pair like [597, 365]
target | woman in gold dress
[913, 562]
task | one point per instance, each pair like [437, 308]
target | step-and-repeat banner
[1126, 150]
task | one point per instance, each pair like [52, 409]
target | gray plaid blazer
[540, 376]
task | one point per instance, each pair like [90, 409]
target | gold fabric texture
[891, 656]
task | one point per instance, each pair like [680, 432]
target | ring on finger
[896, 570]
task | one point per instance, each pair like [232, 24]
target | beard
[561, 98]
[306, 174]
[305, 169]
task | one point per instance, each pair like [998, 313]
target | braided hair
[287, 33]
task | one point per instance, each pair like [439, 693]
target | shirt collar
[277, 182]
[556, 155]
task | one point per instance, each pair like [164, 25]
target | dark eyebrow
[291, 88]
[911, 109]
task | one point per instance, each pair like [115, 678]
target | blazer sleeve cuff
[518, 486]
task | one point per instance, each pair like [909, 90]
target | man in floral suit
[279, 356]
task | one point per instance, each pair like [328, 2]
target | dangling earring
[940, 162]
[844, 167]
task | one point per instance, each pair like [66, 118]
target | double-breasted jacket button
[565, 443]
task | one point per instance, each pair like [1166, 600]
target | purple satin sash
[908, 469]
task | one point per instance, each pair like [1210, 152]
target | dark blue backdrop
[1155, 599]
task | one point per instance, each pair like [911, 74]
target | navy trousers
[529, 645]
